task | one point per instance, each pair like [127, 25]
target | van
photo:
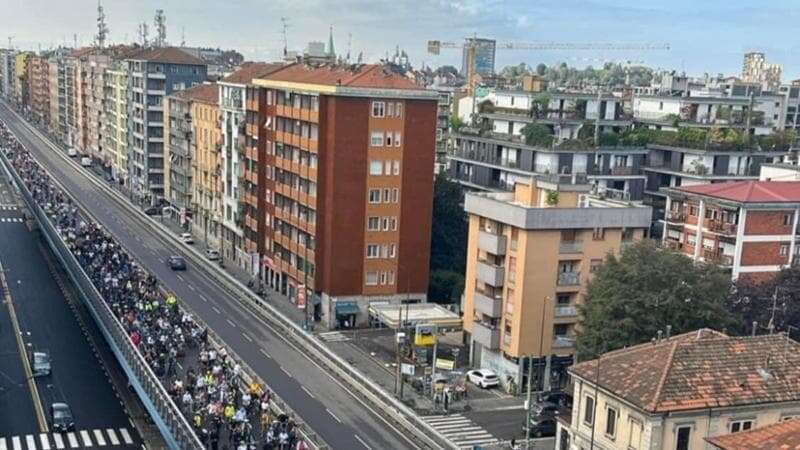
[40, 364]
[86, 161]
[71, 152]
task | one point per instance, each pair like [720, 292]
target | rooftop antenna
[160, 22]
[771, 325]
[102, 27]
[75, 40]
[10, 38]
[143, 34]
[285, 25]
[349, 45]
[183, 36]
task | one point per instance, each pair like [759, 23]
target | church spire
[331, 49]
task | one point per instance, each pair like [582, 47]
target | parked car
[483, 378]
[212, 254]
[152, 211]
[71, 152]
[187, 238]
[86, 161]
[40, 364]
[61, 420]
[541, 426]
[544, 409]
[558, 397]
[176, 263]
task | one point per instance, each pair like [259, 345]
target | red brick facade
[769, 222]
[763, 254]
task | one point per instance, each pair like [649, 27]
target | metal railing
[570, 247]
[569, 278]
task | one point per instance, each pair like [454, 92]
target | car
[71, 152]
[61, 419]
[176, 262]
[483, 378]
[212, 254]
[86, 161]
[542, 426]
[187, 238]
[40, 364]
[558, 397]
[545, 409]
[152, 211]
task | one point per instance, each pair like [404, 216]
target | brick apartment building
[339, 163]
[39, 88]
[747, 226]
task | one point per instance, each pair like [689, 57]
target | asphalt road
[47, 324]
[332, 411]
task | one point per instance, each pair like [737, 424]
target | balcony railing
[492, 243]
[570, 247]
[569, 278]
[673, 244]
[722, 227]
[676, 216]
[563, 342]
[566, 311]
[717, 257]
[622, 170]
[490, 274]
[487, 335]
[490, 305]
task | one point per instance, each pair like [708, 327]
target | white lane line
[249, 339]
[3, 445]
[203, 297]
[362, 442]
[230, 323]
[264, 352]
[98, 436]
[307, 392]
[125, 436]
[112, 436]
[15, 442]
[286, 372]
[31, 442]
[333, 415]
[216, 310]
[73, 440]
[87, 439]
[191, 287]
[59, 441]
[179, 276]
[45, 441]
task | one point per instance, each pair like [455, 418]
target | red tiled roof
[250, 70]
[362, 76]
[701, 369]
[205, 93]
[170, 55]
[749, 191]
[778, 436]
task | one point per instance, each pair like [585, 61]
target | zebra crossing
[334, 336]
[460, 430]
[11, 219]
[8, 207]
[108, 437]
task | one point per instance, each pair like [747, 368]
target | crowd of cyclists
[203, 380]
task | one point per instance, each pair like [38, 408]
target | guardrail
[384, 403]
[176, 430]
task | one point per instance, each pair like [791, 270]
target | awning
[346, 308]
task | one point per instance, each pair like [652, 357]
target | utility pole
[597, 120]
[102, 27]
[398, 373]
[285, 25]
[528, 403]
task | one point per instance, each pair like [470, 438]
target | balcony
[717, 257]
[490, 274]
[676, 216]
[569, 247]
[569, 279]
[563, 342]
[727, 229]
[492, 243]
[622, 170]
[673, 244]
[486, 335]
[566, 311]
[488, 305]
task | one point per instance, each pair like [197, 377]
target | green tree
[456, 123]
[775, 302]
[448, 241]
[633, 296]
[541, 69]
[537, 134]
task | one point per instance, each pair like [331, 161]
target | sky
[704, 35]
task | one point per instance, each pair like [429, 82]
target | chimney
[660, 334]
[669, 331]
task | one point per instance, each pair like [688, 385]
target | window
[388, 138]
[383, 277]
[372, 251]
[787, 219]
[635, 436]
[378, 109]
[386, 195]
[393, 221]
[388, 169]
[398, 110]
[390, 109]
[397, 139]
[611, 422]
[595, 264]
[376, 167]
[588, 411]
[395, 167]
[371, 278]
[392, 250]
[682, 438]
[599, 234]
[373, 224]
[385, 224]
[395, 195]
[692, 211]
[741, 425]
[376, 139]
[374, 195]
[390, 277]
[784, 249]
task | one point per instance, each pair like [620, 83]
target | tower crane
[473, 44]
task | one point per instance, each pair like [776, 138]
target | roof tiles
[749, 191]
[778, 436]
[250, 70]
[358, 76]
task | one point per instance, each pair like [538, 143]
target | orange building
[344, 160]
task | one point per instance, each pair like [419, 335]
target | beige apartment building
[682, 392]
[530, 255]
[115, 121]
[206, 186]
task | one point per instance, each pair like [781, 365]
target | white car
[71, 152]
[212, 254]
[187, 238]
[86, 161]
[483, 378]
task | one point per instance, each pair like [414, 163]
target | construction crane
[473, 44]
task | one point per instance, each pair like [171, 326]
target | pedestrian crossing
[8, 207]
[334, 336]
[460, 430]
[11, 219]
[108, 437]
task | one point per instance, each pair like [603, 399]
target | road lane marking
[3, 445]
[59, 441]
[307, 392]
[87, 440]
[263, 352]
[112, 436]
[31, 442]
[215, 310]
[285, 371]
[125, 436]
[179, 276]
[333, 415]
[73, 440]
[16, 443]
[191, 287]
[230, 322]
[362, 442]
[203, 298]
[45, 441]
[98, 436]
[244, 335]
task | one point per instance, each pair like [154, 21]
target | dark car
[560, 398]
[542, 426]
[544, 409]
[176, 263]
[61, 418]
[152, 211]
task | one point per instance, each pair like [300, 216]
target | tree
[537, 134]
[448, 241]
[456, 123]
[755, 302]
[633, 296]
[541, 69]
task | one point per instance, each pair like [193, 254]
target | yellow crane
[472, 44]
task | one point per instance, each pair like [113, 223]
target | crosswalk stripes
[333, 336]
[109, 437]
[11, 219]
[460, 430]
[8, 208]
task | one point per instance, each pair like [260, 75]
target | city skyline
[715, 47]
